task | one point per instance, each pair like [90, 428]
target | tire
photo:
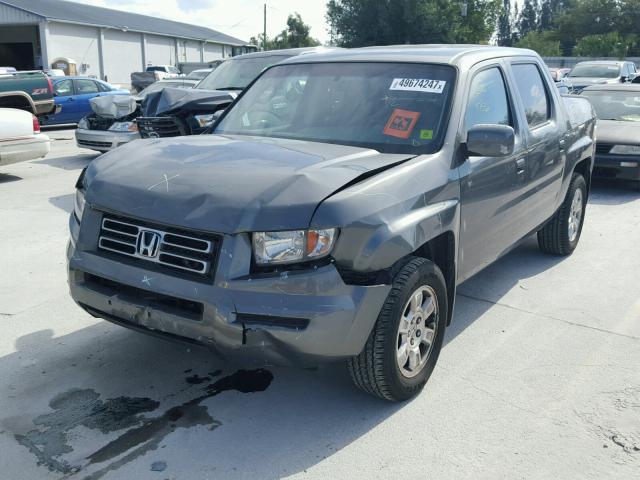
[376, 370]
[561, 234]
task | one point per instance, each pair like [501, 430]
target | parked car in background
[559, 73]
[618, 146]
[199, 74]
[600, 72]
[153, 73]
[54, 72]
[193, 113]
[20, 137]
[335, 207]
[73, 95]
[102, 133]
[31, 91]
[111, 124]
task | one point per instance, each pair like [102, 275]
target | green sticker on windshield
[426, 134]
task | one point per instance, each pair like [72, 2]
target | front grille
[99, 123]
[89, 143]
[152, 127]
[166, 246]
[603, 148]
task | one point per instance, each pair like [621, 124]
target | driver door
[488, 185]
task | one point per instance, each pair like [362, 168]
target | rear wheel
[405, 343]
[561, 234]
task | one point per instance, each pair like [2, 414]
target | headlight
[204, 120]
[83, 124]
[78, 205]
[626, 149]
[124, 127]
[273, 248]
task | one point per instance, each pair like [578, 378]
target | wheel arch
[441, 250]
[584, 167]
[19, 100]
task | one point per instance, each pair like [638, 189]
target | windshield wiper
[230, 88]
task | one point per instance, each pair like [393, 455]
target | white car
[20, 137]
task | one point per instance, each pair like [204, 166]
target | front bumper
[622, 167]
[103, 140]
[293, 318]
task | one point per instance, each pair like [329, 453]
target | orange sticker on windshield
[401, 123]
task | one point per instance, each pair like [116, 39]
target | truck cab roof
[457, 55]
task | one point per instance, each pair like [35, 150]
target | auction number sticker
[418, 85]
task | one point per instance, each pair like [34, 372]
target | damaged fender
[406, 207]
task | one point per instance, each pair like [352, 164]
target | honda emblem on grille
[148, 243]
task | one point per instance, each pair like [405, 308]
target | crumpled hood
[618, 132]
[227, 184]
[169, 100]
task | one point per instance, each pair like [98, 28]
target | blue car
[74, 93]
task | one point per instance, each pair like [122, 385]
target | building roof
[73, 12]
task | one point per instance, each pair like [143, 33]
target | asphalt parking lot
[539, 377]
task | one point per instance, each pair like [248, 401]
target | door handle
[521, 164]
[70, 99]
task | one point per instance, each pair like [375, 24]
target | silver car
[104, 133]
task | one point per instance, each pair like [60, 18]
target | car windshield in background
[198, 74]
[619, 105]
[595, 71]
[237, 74]
[391, 107]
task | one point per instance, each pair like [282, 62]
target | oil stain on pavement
[49, 441]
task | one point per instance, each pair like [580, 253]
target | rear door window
[63, 88]
[533, 93]
[86, 86]
[488, 101]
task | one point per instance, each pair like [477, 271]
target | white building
[104, 43]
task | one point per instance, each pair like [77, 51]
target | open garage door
[18, 55]
[19, 46]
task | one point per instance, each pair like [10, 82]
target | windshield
[595, 71]
[391, 107]
[198, 74]
[237, 74]
[610, 105]
[154, 87]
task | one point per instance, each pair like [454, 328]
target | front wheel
[405, 343]
[561, 234]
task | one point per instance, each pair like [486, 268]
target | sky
[242, 19]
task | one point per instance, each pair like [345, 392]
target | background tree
[544, 43]
[296, 35]
[505, 34]
[603, 45]
[528, 19]
[356, 23]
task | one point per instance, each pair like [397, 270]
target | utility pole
[264, 32]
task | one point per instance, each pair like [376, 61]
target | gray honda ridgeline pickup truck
[335, 208]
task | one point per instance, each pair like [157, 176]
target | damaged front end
[112, 123]
[174, 112]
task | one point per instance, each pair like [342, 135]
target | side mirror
[490, 141]
[623, 79]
